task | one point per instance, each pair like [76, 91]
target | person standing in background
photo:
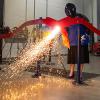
[70, 11]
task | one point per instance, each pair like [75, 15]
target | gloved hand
[84, 39]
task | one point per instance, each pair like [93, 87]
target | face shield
[70, 10]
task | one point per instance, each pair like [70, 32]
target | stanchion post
[78, 57]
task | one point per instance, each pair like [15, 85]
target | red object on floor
[96, 48]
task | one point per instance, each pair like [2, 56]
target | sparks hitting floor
[49, 87]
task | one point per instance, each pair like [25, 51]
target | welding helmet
[70, 10]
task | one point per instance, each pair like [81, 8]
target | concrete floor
[53, 88]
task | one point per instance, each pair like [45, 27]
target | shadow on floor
[87, 76]
[90, 75]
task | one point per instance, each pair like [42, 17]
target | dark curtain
[1, 25]
[1, 12]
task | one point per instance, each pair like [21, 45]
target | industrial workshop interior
[49, 50]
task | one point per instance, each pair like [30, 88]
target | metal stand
[78, 79]
[78, 58]
[37, 73]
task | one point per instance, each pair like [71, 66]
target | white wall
[17, 11]
[14, 12]
[40, 8]
[29, 10]
[95, 17]
[88, 9]
[56, 8]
